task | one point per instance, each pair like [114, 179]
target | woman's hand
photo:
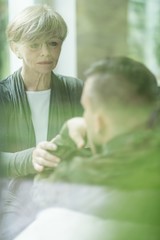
[42, 156]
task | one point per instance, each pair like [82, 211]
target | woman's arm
[17, 164]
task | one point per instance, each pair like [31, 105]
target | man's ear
[100, 124]
[102, 127]
[15, 49]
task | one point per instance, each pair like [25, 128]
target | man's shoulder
[141, 138]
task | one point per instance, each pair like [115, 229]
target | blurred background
[97, 29]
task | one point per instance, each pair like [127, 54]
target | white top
[39, 105]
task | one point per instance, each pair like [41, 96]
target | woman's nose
[45, 50]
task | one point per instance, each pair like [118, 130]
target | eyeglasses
[38, 45]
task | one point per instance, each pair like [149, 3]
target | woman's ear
[15, 49]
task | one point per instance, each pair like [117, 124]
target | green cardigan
[17, 137]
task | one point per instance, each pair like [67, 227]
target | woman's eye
[53, 44]
[34, 45]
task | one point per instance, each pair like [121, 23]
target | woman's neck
[36, 81]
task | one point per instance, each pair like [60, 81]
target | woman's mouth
[45, 62]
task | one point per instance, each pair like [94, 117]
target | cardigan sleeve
[17, 164]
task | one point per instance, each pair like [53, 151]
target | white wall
[68, 60]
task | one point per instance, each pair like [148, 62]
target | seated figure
[117, 179]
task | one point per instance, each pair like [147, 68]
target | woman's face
[40, 56]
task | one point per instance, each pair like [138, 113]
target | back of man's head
[122, 80]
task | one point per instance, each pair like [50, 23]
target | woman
[34, 101]
[34, 104]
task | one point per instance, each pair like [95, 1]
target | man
[119, 182]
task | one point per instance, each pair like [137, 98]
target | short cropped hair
[123, 79]
[36, 22]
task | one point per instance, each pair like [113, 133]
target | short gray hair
[36, 22]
